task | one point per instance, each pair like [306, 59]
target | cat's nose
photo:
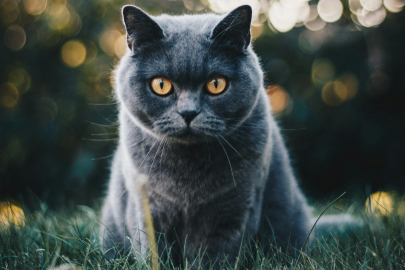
[188, 116]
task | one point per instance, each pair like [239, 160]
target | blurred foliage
[336, 84]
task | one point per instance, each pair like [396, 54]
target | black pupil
[216, 83]
[161, 84]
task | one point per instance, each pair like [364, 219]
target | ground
[69, 240]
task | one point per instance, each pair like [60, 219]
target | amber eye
[216, 85]
[161, 86]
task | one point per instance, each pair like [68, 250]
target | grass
[49, 239]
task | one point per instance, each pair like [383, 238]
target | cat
[195, 120]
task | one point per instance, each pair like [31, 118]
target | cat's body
[213, 179]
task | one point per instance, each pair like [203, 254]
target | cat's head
[188, 78]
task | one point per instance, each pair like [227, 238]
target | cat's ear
[140, 27]
[234, 28]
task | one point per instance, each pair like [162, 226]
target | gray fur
[226, 175]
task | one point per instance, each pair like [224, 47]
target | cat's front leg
[221, 248]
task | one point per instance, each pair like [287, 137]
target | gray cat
[195, 120]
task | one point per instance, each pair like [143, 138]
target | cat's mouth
[199, 130]
[192, 134]
[187, 133]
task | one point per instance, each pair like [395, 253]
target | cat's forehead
[188, 25]
[185, 52]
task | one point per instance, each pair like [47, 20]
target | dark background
[58, 122]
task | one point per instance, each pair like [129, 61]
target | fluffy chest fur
[194, 174]
[196, 190]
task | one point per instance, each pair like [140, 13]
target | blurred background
[334, 70]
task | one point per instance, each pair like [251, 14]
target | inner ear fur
[140, 27]
[234, 29]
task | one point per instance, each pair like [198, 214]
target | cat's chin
[190, 136]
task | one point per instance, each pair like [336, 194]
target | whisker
[102, 157]
[292, 129]
[106, 119]
[157, 151]
[249, 135]
[235, 150]
[248, 126]
[103, 104]
[101, 125]
[254, 125]
[148, 153]
[229, 161]
[103, 134]
[99, 140]
[161, 157]
[136, 143]
[239, 141]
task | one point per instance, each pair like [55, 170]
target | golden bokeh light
[313, 13]
[9, 11]
[8, 95]
[91, 51]
[108, 40]
[340, 90]
[315, 25]
[356, 7]
[103, 83]
[120, 46]
[35, 7]
[20, 79]
[313, 21]
[112, 80]
[372, 18]
[284, 15]
[118, 4]
[222, 6]
[371, 5]
[256, 30]
[329, 96]
[330, 10]
[73, 53]
[323, 71]
[195, 5]
[351, 83]
[14, 37]
[261, 15]
[303, 11]
[283, 19]
[380, 203]
[334, 93]
[58, 16]
[10, 214]
[394, 6]
[74, 24]
[279, 98]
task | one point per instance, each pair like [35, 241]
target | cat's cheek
[228, 106]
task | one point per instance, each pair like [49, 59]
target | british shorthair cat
[195, 120]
